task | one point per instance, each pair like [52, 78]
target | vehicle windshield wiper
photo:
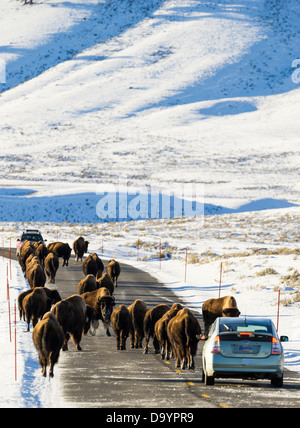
[227, 328]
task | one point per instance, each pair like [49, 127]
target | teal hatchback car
[243, 348]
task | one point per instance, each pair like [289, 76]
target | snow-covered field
[155, 93]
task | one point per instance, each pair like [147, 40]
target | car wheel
[277, 381]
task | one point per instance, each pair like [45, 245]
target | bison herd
[174, 330]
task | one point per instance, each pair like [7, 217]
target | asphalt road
[100, 376]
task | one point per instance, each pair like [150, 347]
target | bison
[93, 265]
[53, 295]
[80, 247]
[113, 269]
[35, 305]
[120, 321]
[151, 317]
[102, 303]
[75, 317]
[25, 251]
[184, 333]
[35, 273]
[160, 330]
[137, 312]
[88, 283]
[61, 249]
[51, 264]
[48, 338]
[105, 281]
[41, 252]
[214, 308]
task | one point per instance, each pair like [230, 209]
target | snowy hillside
[157, 93]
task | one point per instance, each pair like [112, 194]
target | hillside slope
[196, 91]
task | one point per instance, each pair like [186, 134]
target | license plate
[248, 349]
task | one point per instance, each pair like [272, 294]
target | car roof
[249, 319]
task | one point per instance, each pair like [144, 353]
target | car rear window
[245, 327]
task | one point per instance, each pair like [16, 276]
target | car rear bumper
[256, 368]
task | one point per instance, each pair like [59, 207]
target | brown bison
[105, 281]
[102, 303]
[35, 305]
[113, 269]
[61, 249]
[51, 264]
[160, 330]
[120, 321]
[48, 338]
[41, 252]
[151, 317]
[93, 264]
[53, 295]
[88, 283]
[25, 251]
[137, 312]
[35, 273]
[214, 308]
[184, 332]
[80, 247]
[74, 316]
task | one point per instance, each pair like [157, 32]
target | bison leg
[65, 345]
[146, 349]
[118, 340]
[106, 326]
[132, 339]
[123, 341]
[76, 337]
[53, 358]
[43, 364]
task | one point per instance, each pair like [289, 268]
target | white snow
[154, 93]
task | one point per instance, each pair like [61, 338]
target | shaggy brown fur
[80, 247]
[74, 317]
[151, 317]
[35, 273]
[105, 281]
[25, 251]
[48, 338]
[102, 303]
[160, 330]
[214, 308]
[53, 295]
[34, 305]
[137, 312]
[61, 249]
[120, 321]
[184, 332]
[88, 283]
[51, 266]
[113, 269]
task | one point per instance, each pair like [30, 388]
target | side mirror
[18, 240]
[284, 339]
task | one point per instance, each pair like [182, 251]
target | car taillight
[216, 346]
[276, 348]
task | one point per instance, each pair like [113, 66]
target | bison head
[230, 312]
[105, 305]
